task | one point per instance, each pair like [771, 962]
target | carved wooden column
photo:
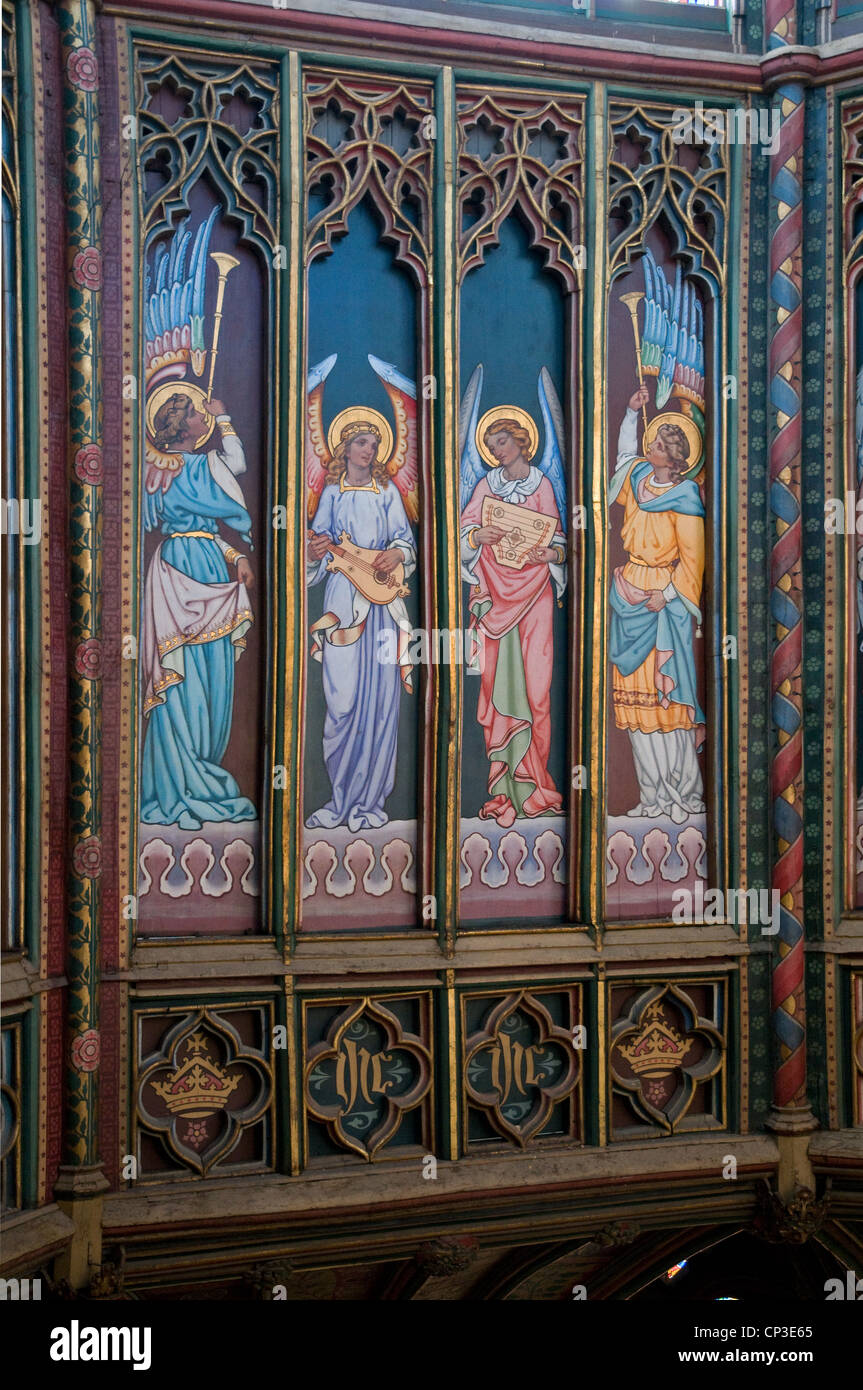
[81, 1180]
[786, 77]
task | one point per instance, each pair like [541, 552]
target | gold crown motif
[658, 1048]
[199, 1087]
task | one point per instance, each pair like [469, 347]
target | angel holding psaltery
[513, 552]
[362, 497]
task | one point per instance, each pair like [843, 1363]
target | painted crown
[199, 1087]
[658, 1048]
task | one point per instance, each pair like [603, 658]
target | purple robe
[362, 690]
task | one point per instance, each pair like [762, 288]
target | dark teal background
[513, 322]
[360, 302]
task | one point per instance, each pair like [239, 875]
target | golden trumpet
[225, 265]
[632, 301]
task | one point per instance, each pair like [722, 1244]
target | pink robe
[522, 600]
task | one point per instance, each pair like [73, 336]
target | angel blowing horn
[362, 497]
[195, 615]
[655, 595]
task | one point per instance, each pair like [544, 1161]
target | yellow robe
[664, 548]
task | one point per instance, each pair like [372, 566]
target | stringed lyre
[356, 563]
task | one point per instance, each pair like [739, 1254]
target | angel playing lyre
[362, 498]
[506, 501]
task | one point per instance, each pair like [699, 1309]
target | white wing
[472, 467]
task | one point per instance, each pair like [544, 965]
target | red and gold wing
[403, 463]
[160, 469]
[317, 453]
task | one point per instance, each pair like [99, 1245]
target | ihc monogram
[363, 1078]
[512, 1064]
[359, 1072]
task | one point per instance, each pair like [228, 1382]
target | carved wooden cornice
[583, 55]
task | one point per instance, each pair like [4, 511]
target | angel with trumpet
[195, 615]
[655, 596]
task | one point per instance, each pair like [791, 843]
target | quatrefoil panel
[667, 1057]
[204, 1095]
[368, 1075]
[522, 1065]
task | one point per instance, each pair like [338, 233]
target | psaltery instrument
[523, 529]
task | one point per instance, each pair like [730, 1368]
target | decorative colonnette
[77, 23]
[851, 126]
[850, 112]
[785, 461]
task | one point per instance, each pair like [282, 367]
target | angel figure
[655, 595]
[512, 594]
[363, 495]
[195, 615]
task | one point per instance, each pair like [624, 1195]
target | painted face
[196, 424]
[504, 448]
[656, 453]
[362, 450]
[659, 454]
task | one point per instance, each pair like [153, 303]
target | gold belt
[180, 535]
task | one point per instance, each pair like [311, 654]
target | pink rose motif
[82, 69]
[88, 658]
[87, 857]
[88, 464]
[87, 268]
[196, 1134]
[85, 1050]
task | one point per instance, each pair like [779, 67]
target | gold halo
[505, 412]
[162, 393]
[362, 414]
[690, 429]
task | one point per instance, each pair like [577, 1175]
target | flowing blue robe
[362, 692]
[182, 782]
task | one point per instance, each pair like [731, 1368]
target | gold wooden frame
[657, 114]
[139, 1010]
[675, 984]
[524, 994]
[425, 1102]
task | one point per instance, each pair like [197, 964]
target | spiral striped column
[780, 23]
[786, 598]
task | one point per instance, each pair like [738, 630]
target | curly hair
[339, 461]
[512, 427]
[676, 443]
[170, 422]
